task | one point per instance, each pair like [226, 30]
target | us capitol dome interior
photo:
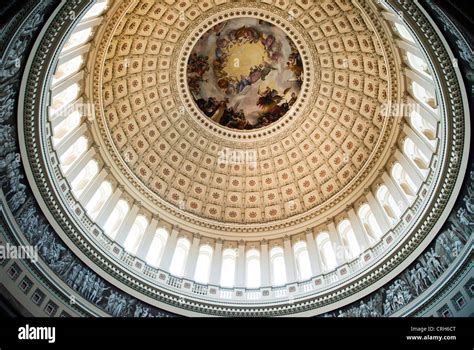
[236, 158]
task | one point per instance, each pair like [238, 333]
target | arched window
[303, 264]
[415, 155]
[155, 253]
[278, 268]
[67, 69]
[348, 238]
[178, 263]
[404, 181]
[85, 176]
[403, 32]
[229, 257]
[203, 264]
[96, 10]
[78, 38]
[424, 96]
[326, 251]
[370, 223]
[65, 97]
[74, 152]
[116, 217]
[417, 63]
[418, 123]
[389, 205]
[66, 126]
[136, 234]
[98, 200]
[253, 268]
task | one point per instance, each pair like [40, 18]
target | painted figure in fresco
[434, 263]
[219, 112]
[268, 99]
[469, 201]
[243, 83]
[219, 86]
[456, 244]
[423, 276]
[416, 281]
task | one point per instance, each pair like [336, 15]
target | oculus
[245, 73]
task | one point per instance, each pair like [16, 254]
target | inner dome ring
[310, 80]
[245, 73]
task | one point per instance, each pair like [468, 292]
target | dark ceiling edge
[9, 306]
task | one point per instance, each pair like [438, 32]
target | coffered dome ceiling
[311, 81]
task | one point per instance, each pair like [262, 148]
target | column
[358, 229]
[216, 265]
[70, 139]
[144, 245]
[392, 17]
[240, 268]
[62, 86]
[428, 114]
[71, 54]
[411, 169]
[313, 253]
[427, 83]
[337, 244]
[264, 264]
[92, 187]
[193, 255]
[56, 118]
[429, 142]
[108, 207]
[420, 141]
[395, 191]
[169, 249]
[126, 225]
[79, 164]
[408, 46]
[379, 213]
[289, 260]
[88, 23]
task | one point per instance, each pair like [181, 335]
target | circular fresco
[245, 73]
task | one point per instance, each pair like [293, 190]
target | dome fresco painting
[245, 73]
